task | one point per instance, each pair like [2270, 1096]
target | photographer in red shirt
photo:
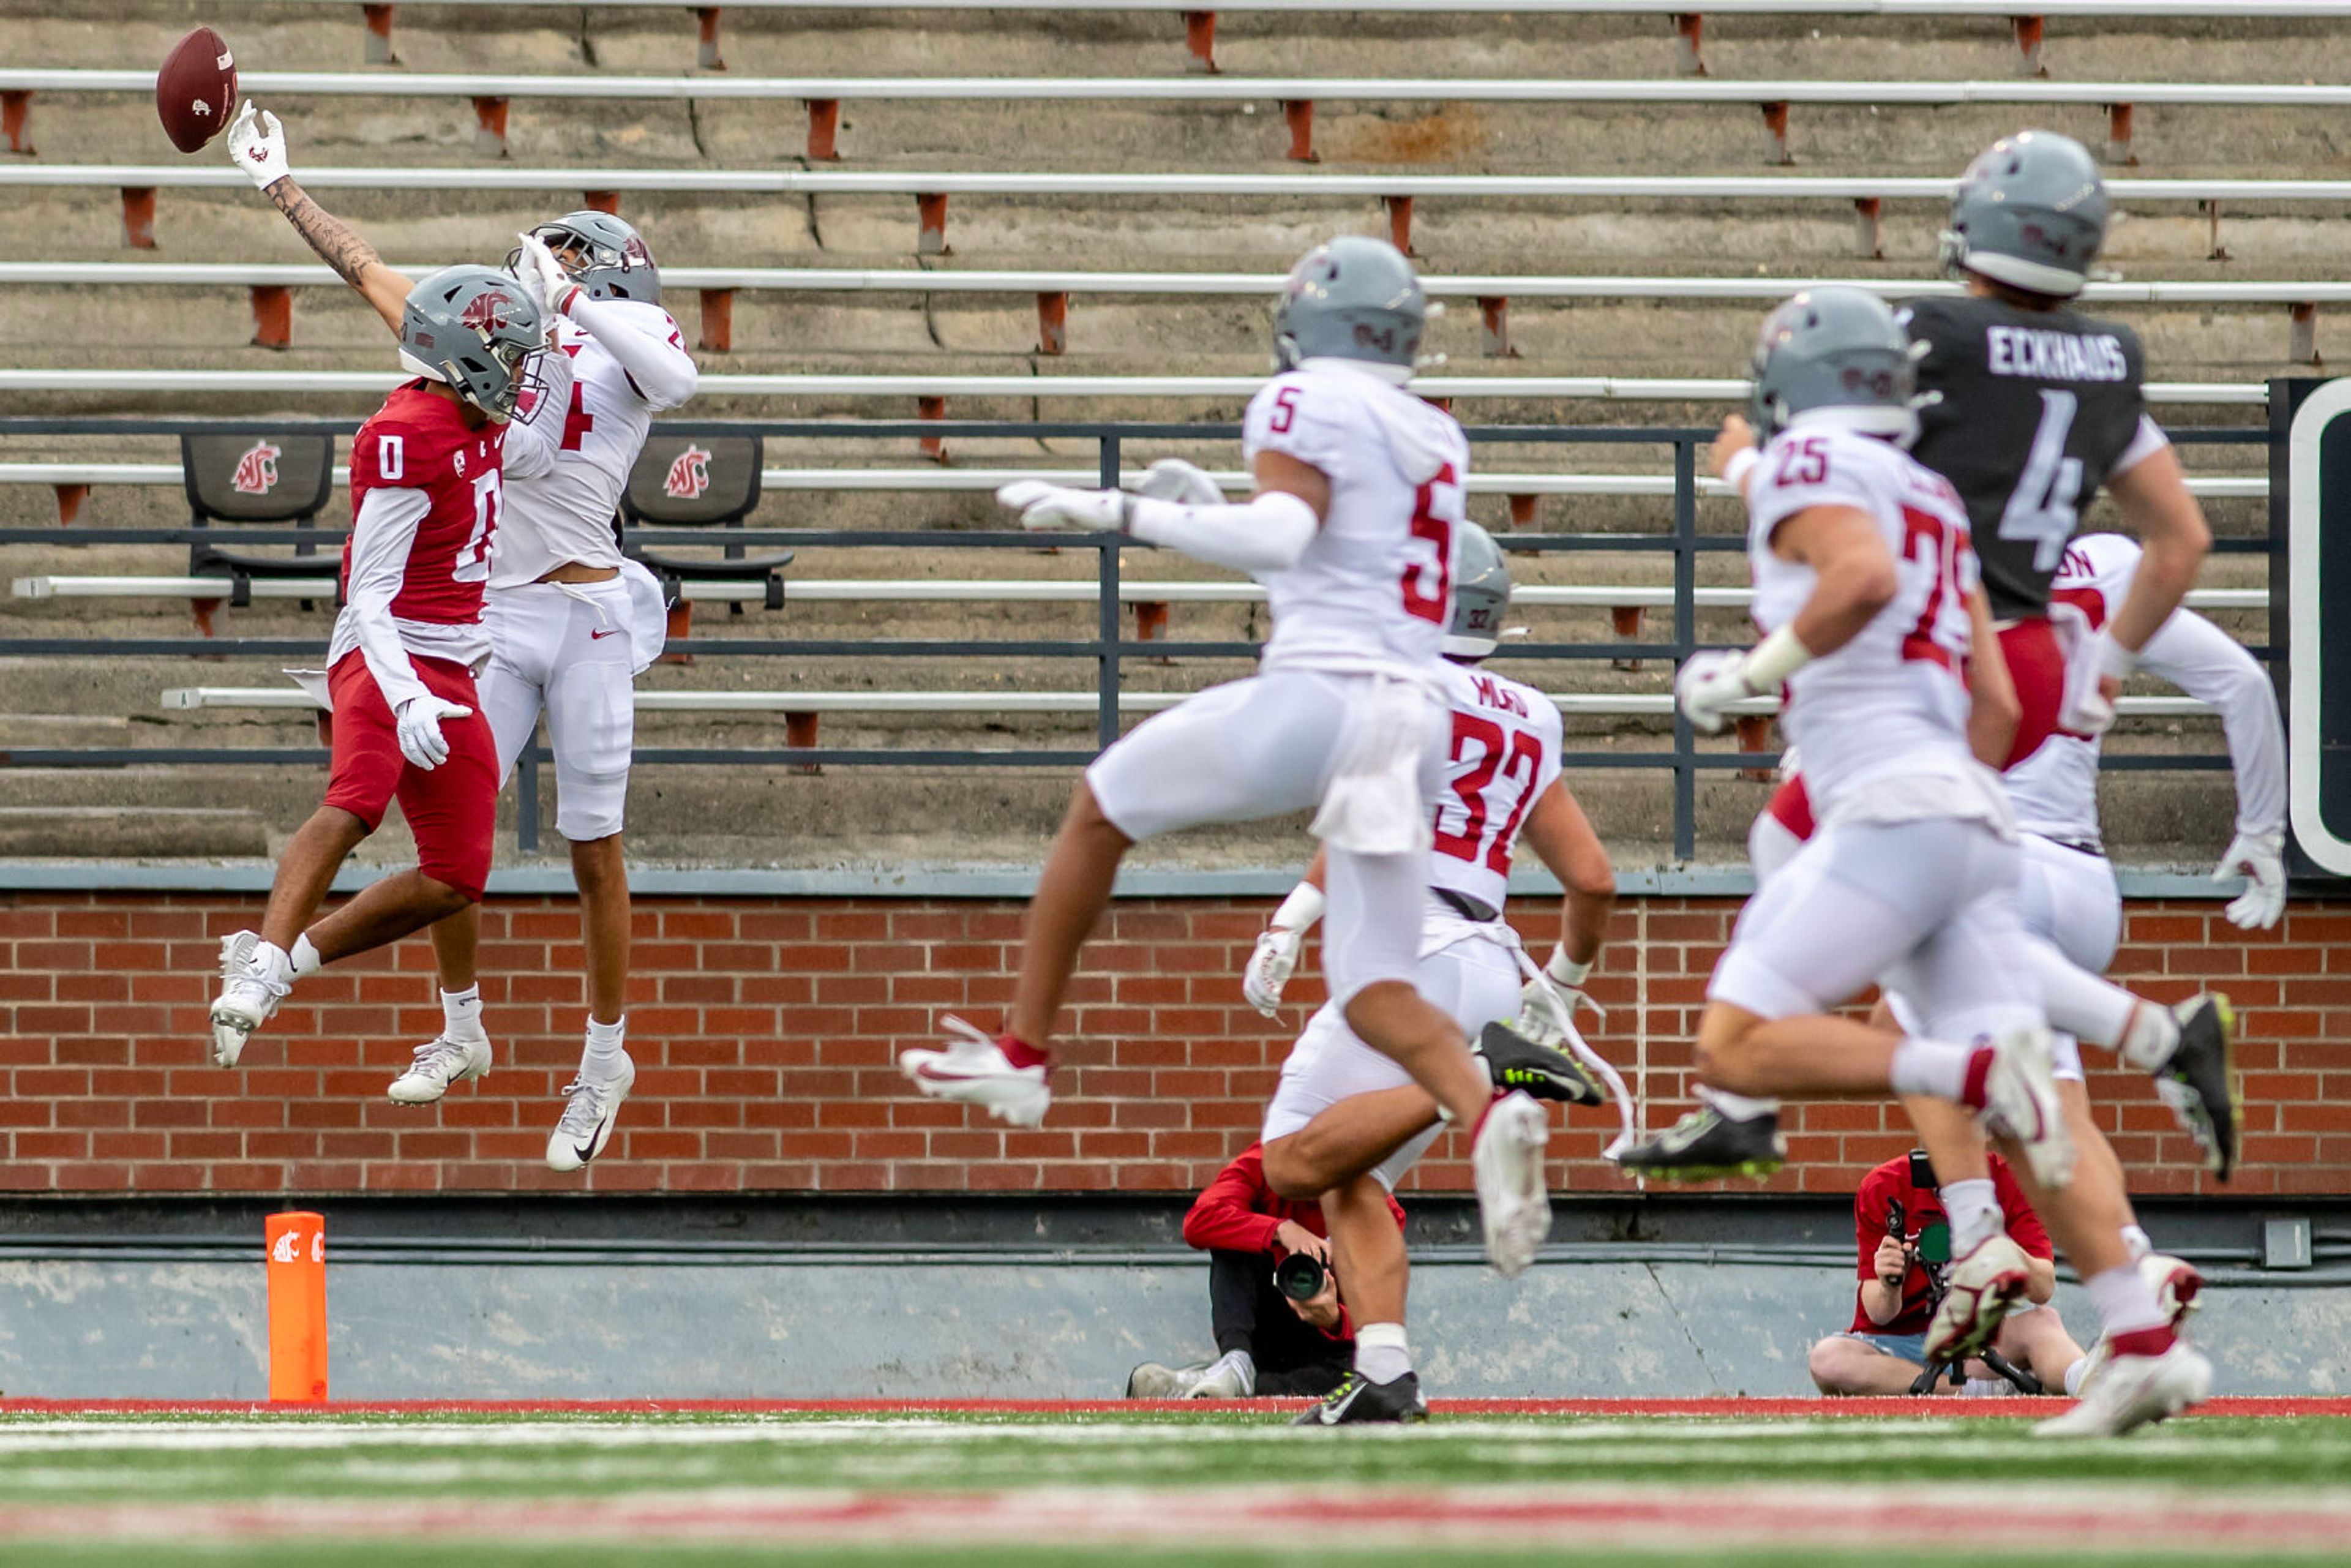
[1270, 1340]
[1884, 1350]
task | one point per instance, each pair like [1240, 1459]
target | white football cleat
[974, 1070]
[2179, 1288]
[1513, 1199]
[248, 997]
[586, 1124]
[2021, 1103]
[440, 1063]
[1154, 1380]
[1232, 1375]
[2131, 1391]
[1982, 1287]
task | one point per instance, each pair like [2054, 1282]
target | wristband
[1565, 970]
[1742, 463]
[1301, 910]
[1773, 660]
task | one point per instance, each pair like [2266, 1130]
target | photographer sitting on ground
[1884, 1350]
[1271, 1342]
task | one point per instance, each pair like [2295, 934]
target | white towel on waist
[1372, 805]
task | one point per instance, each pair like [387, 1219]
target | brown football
[195, 92]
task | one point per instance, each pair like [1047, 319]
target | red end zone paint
[1741, 1408]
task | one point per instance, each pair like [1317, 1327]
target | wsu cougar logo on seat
[689, 477]
[257, 470]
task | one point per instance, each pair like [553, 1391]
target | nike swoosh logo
[585, 1151]
[600, 636]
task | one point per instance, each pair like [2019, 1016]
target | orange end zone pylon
[297, 1308]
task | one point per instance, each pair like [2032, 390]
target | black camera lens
[1299, 1276]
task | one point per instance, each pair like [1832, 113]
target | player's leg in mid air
[1857, 901]
[449, 809]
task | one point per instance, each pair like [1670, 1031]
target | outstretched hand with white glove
[1539, 1017]
[537, 267]
[1044, 505]
[2259, 859]
[256, 145]
[1186, 484]
[1275, 957]
[421, 739]
[1708, 683]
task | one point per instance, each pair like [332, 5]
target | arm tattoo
[340, 248]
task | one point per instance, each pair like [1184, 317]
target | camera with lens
[1300, 1276]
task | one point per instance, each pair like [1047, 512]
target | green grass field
[1043, 1490]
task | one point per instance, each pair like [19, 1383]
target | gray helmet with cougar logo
[613, 261]
[479, 330]
[1834, 348]
[2030, 212]
[1481, 594]
[1353, 298]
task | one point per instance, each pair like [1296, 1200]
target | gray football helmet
[2030, 212]
[1834, 348]
[1353, 298]
[477, 330]
[1482, 593]
[610, 259]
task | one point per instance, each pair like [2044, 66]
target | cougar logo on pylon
[288, 1249]
[486, 313]
[689, 477]
[257, 471]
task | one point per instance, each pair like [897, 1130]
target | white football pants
[1474, 980]
[566, 649]
[1263, 747]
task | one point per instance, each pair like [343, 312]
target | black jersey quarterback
[2035, 410]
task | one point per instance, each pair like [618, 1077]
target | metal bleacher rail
[492, 94]
[1107, 649]
[270, 283]
[2026, 18]
[139, 183]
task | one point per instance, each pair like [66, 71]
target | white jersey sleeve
[2210, 665]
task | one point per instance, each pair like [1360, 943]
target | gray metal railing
[1107, 649]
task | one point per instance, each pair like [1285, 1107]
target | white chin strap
[416, 367]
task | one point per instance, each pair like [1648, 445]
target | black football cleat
[2199, 1080]
[1359, 1401]
[1707, 1146]
[1514, 1061]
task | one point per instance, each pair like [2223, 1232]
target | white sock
[1738, 1107]
[2125, 1302]
[1929, 1067]
[270, 961]
[304, 958]
[1241, 1362]
[2150, 1037]
[1381, 1354]
[2075, 1374]
[2139, 1243]
[460, 1014]
[2086, 1006]
[601, 1061]
[1973, 1207]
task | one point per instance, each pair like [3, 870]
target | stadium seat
[248, 479]
[689, 482]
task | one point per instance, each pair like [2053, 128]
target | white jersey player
[1353, 532]
[1346, 1122]
[569, 622]
[572, 624]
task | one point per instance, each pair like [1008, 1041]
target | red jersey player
[425, 472]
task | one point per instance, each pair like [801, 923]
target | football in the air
[195, 92]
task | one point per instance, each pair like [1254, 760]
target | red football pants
[452, 808]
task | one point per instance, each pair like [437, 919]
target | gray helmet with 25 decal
[476, 329]
[603, 254]
[1352, 299]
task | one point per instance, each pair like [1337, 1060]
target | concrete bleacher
[1635, 242]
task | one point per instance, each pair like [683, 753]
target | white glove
[256, 145]
[1042, 505]
[2259, 859]
[2087, 709]
[1270, 967]
[539, 268]
[1708, 683]
[421, 740]
[1186, 484]
[1538, 1018]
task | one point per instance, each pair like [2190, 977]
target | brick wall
[766, 1031]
